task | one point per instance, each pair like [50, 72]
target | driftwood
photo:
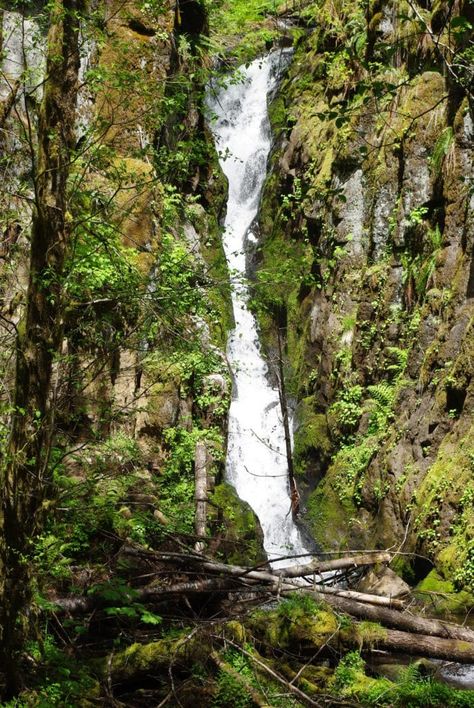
[200, 493]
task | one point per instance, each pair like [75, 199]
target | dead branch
[349, 562]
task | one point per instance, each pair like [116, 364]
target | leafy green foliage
[347, 409]
[412, 688]
[441, 149]
[240, 25]
[229, 691]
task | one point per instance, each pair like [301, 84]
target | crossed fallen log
[404, 631]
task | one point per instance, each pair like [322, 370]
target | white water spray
[256, 456]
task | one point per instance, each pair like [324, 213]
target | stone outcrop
[369, 199]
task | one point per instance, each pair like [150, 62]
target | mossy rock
[328, 518]
[298, 620]
[240, 535]
[442, 596]
[311, 439]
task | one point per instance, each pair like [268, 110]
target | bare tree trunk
[25, 469]
[200, 493]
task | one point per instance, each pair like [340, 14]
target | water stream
[256, 457]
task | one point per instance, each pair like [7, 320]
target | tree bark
[200, 493]
[82, 605]
[398, 620]
[424, 645]
[24, 469]
[317, 566]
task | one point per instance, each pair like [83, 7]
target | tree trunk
[399, 620]
[347, 563]
[25, 469]
[423, 645]
[200, 493]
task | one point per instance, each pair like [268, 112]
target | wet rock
[383, 581]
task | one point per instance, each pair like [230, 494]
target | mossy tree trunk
[25, 466]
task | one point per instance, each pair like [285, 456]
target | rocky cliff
[142, 377]
[366, 265]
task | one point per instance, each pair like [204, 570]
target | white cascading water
[256, 456]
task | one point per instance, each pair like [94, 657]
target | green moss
[369, 633]
[311, 440]
[448, 485]
[277, 113]
[442, 595]
[297, 619]
[240, 533]
[404, 568]
[141, 658]
[327, 517]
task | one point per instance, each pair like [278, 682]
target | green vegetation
[245, 28]
[362, 267]
[412, 688]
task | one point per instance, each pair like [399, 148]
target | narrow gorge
[237, 353]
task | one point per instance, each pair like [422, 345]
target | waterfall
[256, 455]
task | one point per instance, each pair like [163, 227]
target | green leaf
[150, 618]
[121, 612]
[460, 24]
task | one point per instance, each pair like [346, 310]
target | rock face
[367, 261]
[142, 375]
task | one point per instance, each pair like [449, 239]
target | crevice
[455, 398]
[138, 27]
[191, 18]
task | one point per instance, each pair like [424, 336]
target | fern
[441, 149]
[382, 393]
[400, 357]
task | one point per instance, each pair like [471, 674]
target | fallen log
[82, 605]
[397, 620]
[277, 583]
[359, 605]
[424, 645]
[348, 562]
[380, 600]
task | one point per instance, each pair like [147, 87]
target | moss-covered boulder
[441, 596]
[239, 537]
